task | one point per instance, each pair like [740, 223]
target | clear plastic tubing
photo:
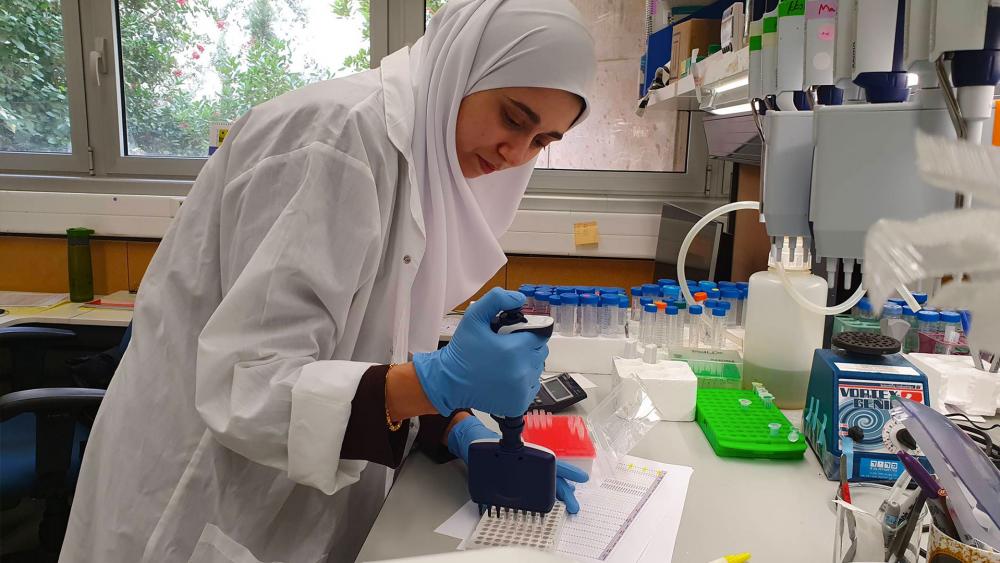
[529, 298]
[636, 306]
[622, 316]
[731, 295]
[660, 330]
[590, 307]
[927, 321]
[568, 317]
[675, 327]
[647, 325]
[952, 323]
[609, 314]
[718, 329]
[555, 311]
[542, 302]
[695, 330]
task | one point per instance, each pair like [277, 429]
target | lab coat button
[407, 259]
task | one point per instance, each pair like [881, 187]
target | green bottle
[81, 273]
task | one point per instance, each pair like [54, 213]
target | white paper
[461, 523]
[31, 299]
[648, 533]
[583, 382]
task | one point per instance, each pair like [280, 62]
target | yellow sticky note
[585, 233]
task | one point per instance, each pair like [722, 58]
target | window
[613, 138]
[34, 100]
[189, 63]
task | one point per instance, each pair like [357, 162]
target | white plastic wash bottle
[781, 336]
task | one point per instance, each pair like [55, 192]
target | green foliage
[34, 108]
[169, 104]
[343, 9]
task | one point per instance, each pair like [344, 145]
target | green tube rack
[735, 431]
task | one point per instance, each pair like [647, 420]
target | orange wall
[39, 264]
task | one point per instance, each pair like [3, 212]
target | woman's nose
[515, 151]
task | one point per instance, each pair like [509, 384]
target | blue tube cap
[907, 312]
[555, 300]
[950, 317]
[920, 298]
[726, 284]
[694, 310]
[891, 309]
[623, 302]
[609, 300]
[706, 284]
[581, 289]
[866, 305]
[710, 303]
[666, 281]
[650, 290]
[643, 301]
[590, 299]
[637, 291]
[570, 299]
[542, 295]
[732, 293]
[649, 307]
[670, 291]
[672, 310]
[527, 292]
[927, 316]
[724, 305]
[718, 312]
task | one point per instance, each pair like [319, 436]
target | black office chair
[43, 431]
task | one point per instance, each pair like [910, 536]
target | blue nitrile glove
[471, 429]
[481, 369]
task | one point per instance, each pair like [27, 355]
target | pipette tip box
[566, 435]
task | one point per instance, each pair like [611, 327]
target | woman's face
[506, 127]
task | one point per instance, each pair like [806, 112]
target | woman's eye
[509, 121]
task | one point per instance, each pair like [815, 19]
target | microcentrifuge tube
[793, 436]
[774, 427]
[745, 404]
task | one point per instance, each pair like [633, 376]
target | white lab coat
[286, 275]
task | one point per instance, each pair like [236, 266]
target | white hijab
[471, 46]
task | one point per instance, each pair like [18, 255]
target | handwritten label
[826, 32]
[585, 234]
[791, 8]
[822, 9]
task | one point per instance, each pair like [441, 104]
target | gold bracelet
[393, 426]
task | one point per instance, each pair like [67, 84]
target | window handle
[97, 60]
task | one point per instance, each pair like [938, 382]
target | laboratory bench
[776, 510]
[66, 314]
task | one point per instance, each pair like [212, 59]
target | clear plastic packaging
[619, 422]
[590, 307]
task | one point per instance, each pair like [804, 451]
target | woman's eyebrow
[533, 117]
[526, 109]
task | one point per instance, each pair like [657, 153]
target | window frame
[97, 122]
[78, 160]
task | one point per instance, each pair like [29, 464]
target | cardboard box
[689, 35]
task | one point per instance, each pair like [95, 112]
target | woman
[323, 240]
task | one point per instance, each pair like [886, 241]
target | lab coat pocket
[214, 546]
